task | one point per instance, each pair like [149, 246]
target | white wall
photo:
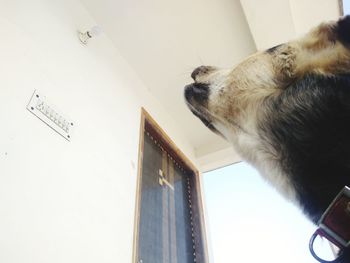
[270, 21]
[273, 22]
[68, 201]
[304, 20]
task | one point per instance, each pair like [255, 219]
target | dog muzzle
[334, 225]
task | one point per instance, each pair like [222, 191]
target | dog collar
[334, 224]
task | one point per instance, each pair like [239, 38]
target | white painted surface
[273, 22]
[68, 201]
[218, 159]
[165, 40]
[305, 17]
[270, 22]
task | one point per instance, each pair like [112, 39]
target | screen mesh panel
[166, 232]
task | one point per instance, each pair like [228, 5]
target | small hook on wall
[85, 36]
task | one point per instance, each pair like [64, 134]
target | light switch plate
[41, 108]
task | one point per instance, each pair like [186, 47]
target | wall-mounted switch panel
[40, 107]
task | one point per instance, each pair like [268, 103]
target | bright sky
[346, 7]
[250, 222]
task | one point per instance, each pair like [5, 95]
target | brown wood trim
[150, 125]
[138, 187]
[153, 127]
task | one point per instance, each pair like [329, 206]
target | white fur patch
[252, 150]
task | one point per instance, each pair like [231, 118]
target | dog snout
[197, 92]
[202, 70]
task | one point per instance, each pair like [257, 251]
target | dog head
[229, 101]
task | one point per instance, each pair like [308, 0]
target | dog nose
[198, 92]
[200, 71]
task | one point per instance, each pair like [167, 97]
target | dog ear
[285, 63]
[324, 50]
[343, 30]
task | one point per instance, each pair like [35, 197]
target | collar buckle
[334, 224]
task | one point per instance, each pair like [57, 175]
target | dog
[286, 110]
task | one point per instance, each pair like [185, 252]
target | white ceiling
[165, 40]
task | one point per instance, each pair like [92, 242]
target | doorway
[169, 218]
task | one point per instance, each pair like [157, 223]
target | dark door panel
[165, 225]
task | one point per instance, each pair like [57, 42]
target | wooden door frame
[147, 120]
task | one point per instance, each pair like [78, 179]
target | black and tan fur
[287, 112]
